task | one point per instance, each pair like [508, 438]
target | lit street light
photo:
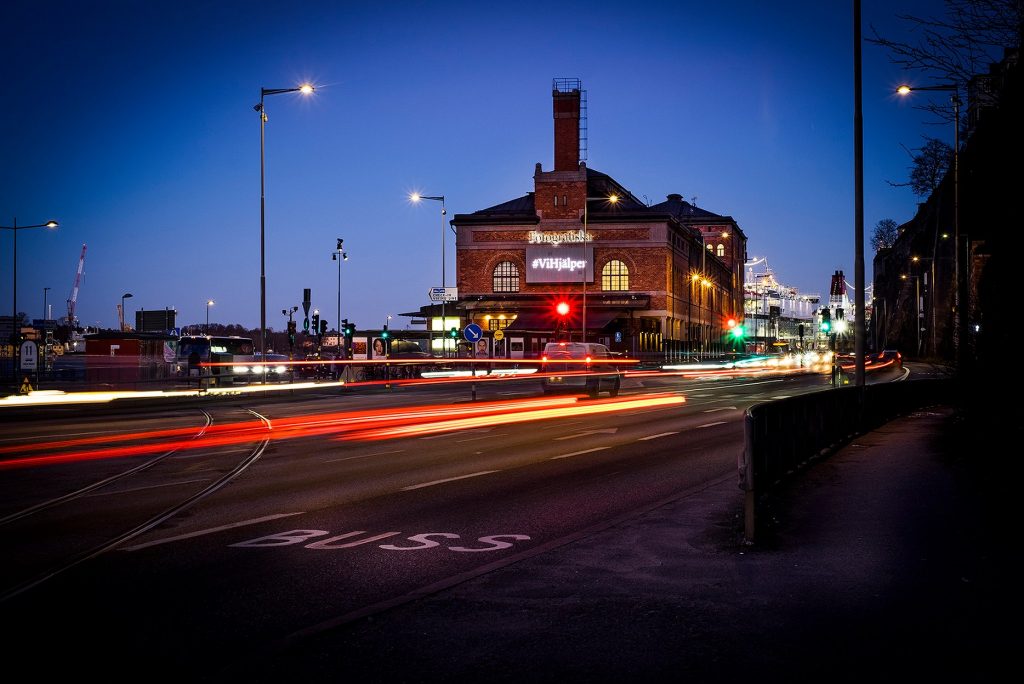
[416, 197]
[209, 303]
[125, 296]
[959, 260]
[305, 89]
[15, 332]
[612, 199]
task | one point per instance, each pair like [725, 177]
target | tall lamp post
[416, 197]
[15, 332]
[339, 255]
[305, 89]
[209, 303]
[45, 316]
[959, 260]
[125, 296]
[611, 199]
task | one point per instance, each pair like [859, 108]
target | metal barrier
[785, 435]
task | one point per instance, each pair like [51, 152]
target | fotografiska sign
[557, 237]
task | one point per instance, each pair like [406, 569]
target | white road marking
[781, 396]
[209, 531]
[577, 453]
[349, 458]
[721, 422]
[474, 439]
[663, 434]
[447, 479]
[607, 431]
[720, 408]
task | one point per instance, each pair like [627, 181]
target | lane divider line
[447, 479]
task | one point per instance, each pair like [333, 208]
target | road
[208, 540]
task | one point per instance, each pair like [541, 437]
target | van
[579, 367]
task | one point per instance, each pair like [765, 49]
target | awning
[547, 321]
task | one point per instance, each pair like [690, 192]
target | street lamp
[123, 298]
[15, 332]
[305, 89]
[209, 303]
[959, 261]
[611, 199]
[416, 197]
[339, 255]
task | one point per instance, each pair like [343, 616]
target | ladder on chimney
[583, 125]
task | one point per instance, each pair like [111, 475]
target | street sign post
[29, 355]
[443, 294]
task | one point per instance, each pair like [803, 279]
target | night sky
[132, 124]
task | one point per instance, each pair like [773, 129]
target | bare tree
[886, 232]
[955, 47]
[930, 163]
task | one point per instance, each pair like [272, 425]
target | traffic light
[305, 325]
[316, 323]
[323, 327]
[384, 333]
[349, 329]
[453, 333]
[562, 310]
[826, 321]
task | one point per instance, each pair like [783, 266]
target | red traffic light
[731, 323]
[562, 308]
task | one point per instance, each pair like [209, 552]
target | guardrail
[784, 436]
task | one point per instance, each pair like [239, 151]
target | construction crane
[73, 299]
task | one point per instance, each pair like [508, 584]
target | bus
[236, 351]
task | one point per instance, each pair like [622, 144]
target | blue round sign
[473, 332]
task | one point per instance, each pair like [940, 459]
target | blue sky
[132, 124]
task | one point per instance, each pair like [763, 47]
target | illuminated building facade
[655, 281]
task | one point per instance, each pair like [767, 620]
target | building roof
[524, 211]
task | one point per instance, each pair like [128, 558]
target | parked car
[579, 366]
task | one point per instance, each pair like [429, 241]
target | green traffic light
[737, 331]
[825, 326]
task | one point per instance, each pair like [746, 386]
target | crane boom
[73, 299]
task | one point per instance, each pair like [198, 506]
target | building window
[498, 323]
[721, 250]
[506, 277]
[615, 276]
[710, 247]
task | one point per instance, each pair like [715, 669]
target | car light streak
[591, 408]
[247, 431]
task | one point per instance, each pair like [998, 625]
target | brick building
[653, 281]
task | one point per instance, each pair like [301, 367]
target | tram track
[167, 512]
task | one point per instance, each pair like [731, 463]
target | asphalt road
[196, 542]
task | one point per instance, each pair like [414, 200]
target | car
[579, 366]
[276, 368]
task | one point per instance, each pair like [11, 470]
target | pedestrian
[26, 386]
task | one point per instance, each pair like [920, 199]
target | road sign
[473, 332]
[443, 294]
[29, 355]
[306, 298]
[499, 335]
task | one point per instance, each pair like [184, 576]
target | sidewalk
[888, 561]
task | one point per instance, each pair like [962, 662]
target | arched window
[721, 250]
[506, 277]
[615, 276]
